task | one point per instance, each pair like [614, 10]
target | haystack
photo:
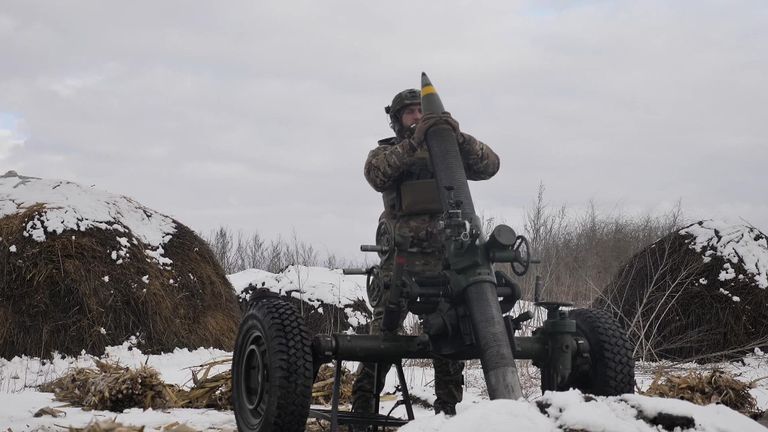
[698, 293]
[328, 300]
[83, 269]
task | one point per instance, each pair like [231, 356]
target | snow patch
[570, 410]
[733, 243]
[71, 206]
[314, 285]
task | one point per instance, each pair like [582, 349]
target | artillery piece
[462, 310]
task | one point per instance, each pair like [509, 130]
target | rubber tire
[272, 352]
[612, 368]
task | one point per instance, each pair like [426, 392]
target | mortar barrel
[490, 333]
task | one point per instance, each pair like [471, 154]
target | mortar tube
[496, 357]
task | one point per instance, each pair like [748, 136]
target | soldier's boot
[442, 407]
[363, 396]
[449, 382]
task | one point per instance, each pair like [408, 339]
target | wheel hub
[254, 374]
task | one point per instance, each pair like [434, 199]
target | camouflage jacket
[396, 161]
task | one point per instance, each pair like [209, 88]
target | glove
[430, 120]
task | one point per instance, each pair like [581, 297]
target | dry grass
[704, 388]
[69, 294]
[208, 391]
[112, 387]
[670, 301]
[322, 389]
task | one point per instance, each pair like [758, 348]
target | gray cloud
[259, 115]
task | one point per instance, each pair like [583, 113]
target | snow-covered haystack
[83, 269]
[697, 293]
[328, 300]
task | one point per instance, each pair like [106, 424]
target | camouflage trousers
[449, 381]
[449, 378]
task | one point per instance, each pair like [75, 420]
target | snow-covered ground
[19, 400]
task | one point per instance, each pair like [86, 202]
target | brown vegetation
[237, 251]
[322, 389]
[670, 301]
[112, 387]
[581, 253]
[69, 294]
[715, 386]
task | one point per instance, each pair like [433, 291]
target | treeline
[580, 252]
[237, 251]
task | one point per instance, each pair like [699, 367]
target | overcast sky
[259, 115]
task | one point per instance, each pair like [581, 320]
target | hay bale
[698, 293]
[84, 269]
[704, 388]
[328, 300]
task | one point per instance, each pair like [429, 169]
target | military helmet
[400, 101]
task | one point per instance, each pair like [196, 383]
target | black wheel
[611, 366]
[272, 368]
[609, 370]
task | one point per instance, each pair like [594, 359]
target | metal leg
[335, 398]
[376, 391]
[404, 388]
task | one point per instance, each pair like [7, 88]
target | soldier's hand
[430, 120]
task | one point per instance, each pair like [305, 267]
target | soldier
[395, 168]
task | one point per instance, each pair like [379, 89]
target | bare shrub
[675, 306]
[580, 254]
[237, 251]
